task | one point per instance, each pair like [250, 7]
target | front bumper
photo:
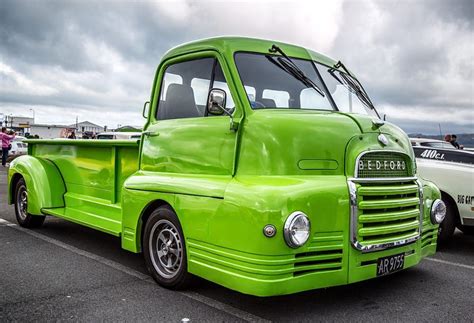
[364, 265]
[270, 276]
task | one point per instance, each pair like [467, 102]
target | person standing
[454, 141]
[5, 139]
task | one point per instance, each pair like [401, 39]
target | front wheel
[165, 250]
[23, 218]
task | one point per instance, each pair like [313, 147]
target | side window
[221, 83]
[184, 89]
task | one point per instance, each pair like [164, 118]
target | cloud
[89, 58]
[12, 81]
[412, 56]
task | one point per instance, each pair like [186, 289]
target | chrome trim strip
[383, 179]
[356, 171]
[354, 215]
[422, 204]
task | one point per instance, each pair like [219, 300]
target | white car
[452, 170]
[18, 147]
[425, 142]
[119, 135]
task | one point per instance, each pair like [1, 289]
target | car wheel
[165, 249]
[467, 229]
[23, 218]
[447, 227]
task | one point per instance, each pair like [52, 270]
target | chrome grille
[387, 212]
[386, 205]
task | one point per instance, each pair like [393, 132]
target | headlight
[297, 229]
[438, 212]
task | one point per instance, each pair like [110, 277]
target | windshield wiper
[286, 64]
[353, 85]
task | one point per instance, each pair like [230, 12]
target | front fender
[430, 193]
[44, 183]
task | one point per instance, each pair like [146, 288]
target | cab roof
[228, 45]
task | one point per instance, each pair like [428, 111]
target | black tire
[23, 218]
[164, 249]
[468, 230]
[447, 227]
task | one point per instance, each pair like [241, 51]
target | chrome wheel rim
[166, 249]
[22, 203]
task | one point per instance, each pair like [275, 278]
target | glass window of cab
[185, 88]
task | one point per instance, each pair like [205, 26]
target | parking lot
[64, 271]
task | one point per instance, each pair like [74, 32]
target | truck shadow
[370, 299]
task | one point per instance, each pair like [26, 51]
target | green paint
[226, 185]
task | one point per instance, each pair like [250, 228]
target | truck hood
[366, 124]
[305, 142]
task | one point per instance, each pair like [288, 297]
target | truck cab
[263, 167]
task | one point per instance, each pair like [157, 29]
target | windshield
[270, 83]
[344, 95]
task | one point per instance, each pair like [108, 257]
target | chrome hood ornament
[382, 139]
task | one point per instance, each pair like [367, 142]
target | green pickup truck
[263, 167]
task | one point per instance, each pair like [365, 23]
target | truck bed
[93, 172]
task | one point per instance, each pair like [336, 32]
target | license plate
[390, 264]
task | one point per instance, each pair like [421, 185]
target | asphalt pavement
[64, 271]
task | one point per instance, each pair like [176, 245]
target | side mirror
[146, 108]
[216, 102]
[216, 106]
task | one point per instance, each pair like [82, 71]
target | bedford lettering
[381, 165]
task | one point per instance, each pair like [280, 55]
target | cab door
[181, 138]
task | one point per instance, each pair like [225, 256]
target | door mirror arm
[216, 106]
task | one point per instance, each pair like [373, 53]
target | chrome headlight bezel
[289, 229]
[438, 211]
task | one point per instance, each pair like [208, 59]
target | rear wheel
[165, 250]
[447, 227]
[21, 208]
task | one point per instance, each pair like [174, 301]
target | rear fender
[44, 183]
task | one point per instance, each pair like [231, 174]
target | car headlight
[297, 229]
[438, 212]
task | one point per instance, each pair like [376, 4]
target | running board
[90, 220]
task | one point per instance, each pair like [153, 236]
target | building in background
[83, 129]
[86, 129]
[20, 125]
[26, 125]
[50, 131]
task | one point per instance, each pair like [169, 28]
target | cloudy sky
[96, 59]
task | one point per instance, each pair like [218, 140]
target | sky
[96, 60]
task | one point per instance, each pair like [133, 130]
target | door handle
[151, 134]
